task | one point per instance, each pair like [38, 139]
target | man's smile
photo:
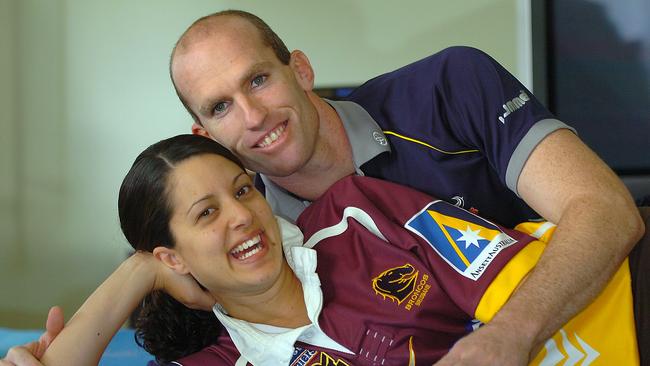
[272, 136]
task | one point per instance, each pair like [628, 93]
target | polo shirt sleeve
[487, 108]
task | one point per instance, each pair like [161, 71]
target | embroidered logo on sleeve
[401, 283]
[465, 241]
[513, 104]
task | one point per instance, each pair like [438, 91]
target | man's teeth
[271, 137]
[246, 245]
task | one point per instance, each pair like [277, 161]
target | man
[433, 125]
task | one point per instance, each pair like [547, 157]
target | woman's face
[226, 235]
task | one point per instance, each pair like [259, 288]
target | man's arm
[598, 224]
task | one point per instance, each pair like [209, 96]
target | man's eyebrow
[255, 69]
[206, 108]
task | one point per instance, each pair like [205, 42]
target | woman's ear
[302, 70]
[172, 259]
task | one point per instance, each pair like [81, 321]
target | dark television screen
[594, 57]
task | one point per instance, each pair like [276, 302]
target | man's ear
[197, 129]
[302, 69]
[172, 259]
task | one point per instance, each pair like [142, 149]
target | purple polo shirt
[455, 125]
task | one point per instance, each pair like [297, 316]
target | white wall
[84, 88]
[8, 165]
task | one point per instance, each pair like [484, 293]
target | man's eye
[258, 81]
[243, 191]
[220, 107]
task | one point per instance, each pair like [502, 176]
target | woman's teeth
[250, 253]
[248, 248]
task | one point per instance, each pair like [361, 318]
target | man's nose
[254, 112]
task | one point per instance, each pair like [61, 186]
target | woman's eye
[258, 81]
[243, 191]
[206, 212]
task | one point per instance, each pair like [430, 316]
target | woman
[400, 276]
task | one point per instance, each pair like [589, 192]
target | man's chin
[278, 171]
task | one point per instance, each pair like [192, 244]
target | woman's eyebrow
[207, 196]
[234, 180]
[210, 195]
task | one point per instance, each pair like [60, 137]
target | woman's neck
[282, 305]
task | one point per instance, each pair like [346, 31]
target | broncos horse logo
[396, 283]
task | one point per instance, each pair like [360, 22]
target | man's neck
[332, 159]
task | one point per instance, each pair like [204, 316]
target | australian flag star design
[467, 242]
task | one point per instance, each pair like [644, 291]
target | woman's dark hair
[164, 327]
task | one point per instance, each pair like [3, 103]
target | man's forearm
[589, 244]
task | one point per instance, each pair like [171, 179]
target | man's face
[247, 100]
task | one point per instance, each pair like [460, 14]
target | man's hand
[30, 353]
[489, 345]
[184, 288]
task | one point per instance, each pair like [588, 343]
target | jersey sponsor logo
[327, 360]
[468, 243]
[513, 104]
[301, 356]
[401, 284]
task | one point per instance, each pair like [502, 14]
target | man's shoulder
[408, 90]
[444, 61]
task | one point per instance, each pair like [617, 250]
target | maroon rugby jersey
[401, 274]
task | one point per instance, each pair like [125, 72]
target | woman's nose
[240, 215]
